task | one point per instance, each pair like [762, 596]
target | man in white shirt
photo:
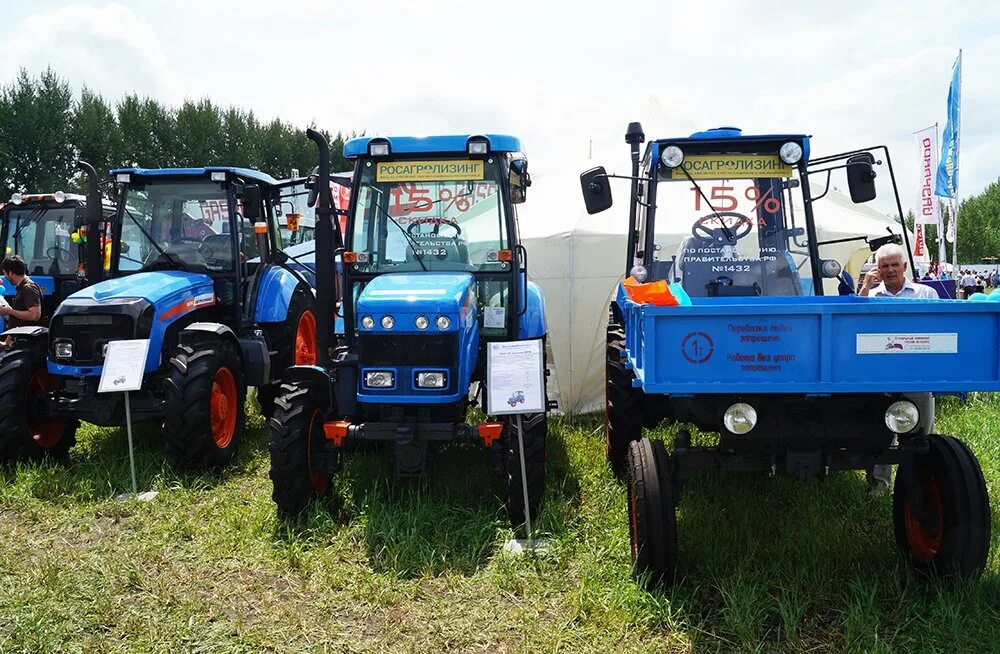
[969, 283]
[889, 277]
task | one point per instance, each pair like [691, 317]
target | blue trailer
[433, 271]
[734, 333]
[196, 267]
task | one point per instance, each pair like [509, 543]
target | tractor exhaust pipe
[94, 251]
[634, 137]
[324, 251]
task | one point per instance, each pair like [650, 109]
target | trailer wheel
[623, 403]
[294, 342]
[534, 427]
[652, 523]
[296, 431]
[205, 398]
[943, 525]
[23, 436]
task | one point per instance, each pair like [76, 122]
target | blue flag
[946, 185]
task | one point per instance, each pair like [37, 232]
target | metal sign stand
[124, 366]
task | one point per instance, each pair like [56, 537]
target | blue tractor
[734, 331]
[196, 267]
[433, 271]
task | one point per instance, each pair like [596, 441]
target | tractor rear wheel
[943, 525]
[24, 436]
[623, 403]
[534, 428]
[296, 434]
[294, 342]
[652, 517]
[205, 402]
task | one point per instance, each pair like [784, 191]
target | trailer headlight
[443, 322]
[740, 418]
[430, 380]
[902, 417]
[672, 156]
[380, 379]
[367, 322]
[388, 322]
[64, 349]
[421, 322]
[790, 152]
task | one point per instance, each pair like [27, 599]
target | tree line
[978, 227]
[45, 128]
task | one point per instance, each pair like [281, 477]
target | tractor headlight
[380, 379]
[902, 417]
[790, 152]
[388, 322]
[17, 198]
[740, 418]
[367, 322]
[672, 156]
[59, 197]
[443, 322]
[378, 148]
[639, 273]
[64, 349]
[430, 380]
[421, 322]
[831, 268]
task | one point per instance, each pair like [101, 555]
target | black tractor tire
[956, 541]
[22, 376]
[623, 405]
[652, 512]
[534, 428]
[203, 428]
[296, 428]
[284, 342]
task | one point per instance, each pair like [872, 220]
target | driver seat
[696, 258]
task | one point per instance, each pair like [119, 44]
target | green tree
[95, 133]
[979, 225]
[199, 135]
[35, 132]
[148, 133]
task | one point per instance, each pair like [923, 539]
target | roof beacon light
[478, 146]
[218, 176]
[672, 156]
[378, 148]
[59, 197]
[17, 198]
[790, 152]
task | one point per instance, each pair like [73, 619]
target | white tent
[577, 259]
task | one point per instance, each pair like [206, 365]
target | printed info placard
[515, 377]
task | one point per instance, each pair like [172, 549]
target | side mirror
[519, 180]
[861, 177]
[875, 243]
[251, 202]
[313, 192]
[596, 190]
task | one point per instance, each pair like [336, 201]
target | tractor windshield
[177, 225]
[43, 236]
[728, 233]
[423, 215]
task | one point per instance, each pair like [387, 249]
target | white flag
[927, 149]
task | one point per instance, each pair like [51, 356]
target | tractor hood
[416, 293]
[155, 287]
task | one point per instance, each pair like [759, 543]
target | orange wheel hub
[46, 434]
[224, 407]
[305, 340]
[319, 481]
[923, 543]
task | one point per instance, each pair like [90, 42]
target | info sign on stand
[124, 366]
[515, 384]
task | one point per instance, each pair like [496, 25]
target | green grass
[416, 565]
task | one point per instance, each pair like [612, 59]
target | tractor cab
[49, 232]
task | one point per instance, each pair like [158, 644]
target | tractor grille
[410, 350]
[89, 333]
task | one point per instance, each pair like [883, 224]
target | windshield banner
[430, 171]
[732, 166]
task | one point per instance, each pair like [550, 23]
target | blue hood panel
[152, 286]
[424, 292]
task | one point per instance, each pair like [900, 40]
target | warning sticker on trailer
[430, 171]
[941, 343]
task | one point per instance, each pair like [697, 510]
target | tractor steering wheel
[59, 257]
[701, 230]
[437, 222]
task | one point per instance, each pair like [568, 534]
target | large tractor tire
[23, 437]
[296, 433]
[295, 344]
[652, 516]
[943, 527]
[623, 403]
[534, 428]
[205, 402]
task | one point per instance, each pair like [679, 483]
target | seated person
[26, 309]
[889, 277]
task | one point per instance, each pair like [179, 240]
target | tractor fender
[313, 378]
[253, 352]
[27, 333]
[194, 332]
[274, 294]
[531, 324]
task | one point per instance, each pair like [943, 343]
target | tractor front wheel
[941, 510]
[534, 429]
[23, 434]
[296, 434]
[652, 517]
[623, 403]
[205, 405]
[294, 342]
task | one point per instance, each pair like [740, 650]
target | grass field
[406, 565]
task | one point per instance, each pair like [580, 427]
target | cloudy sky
[566, 77]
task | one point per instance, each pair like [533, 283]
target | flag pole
[958, 149]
